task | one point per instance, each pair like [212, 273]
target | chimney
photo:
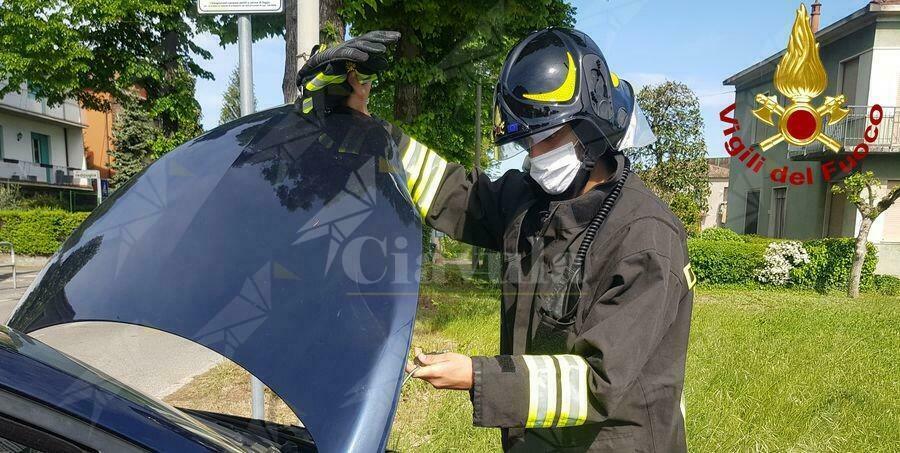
[814, 16]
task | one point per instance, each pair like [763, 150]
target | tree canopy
[675, 166]
[448, 49]
[231, 99]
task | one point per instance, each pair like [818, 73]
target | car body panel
[41, 374]
[286, 243]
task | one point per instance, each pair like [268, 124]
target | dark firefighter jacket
[608, 378]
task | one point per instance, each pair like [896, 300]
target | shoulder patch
[690, 276]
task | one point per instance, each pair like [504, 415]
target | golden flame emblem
[801, 77]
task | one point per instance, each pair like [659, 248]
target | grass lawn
[767, 371]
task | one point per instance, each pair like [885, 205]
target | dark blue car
[286, 243]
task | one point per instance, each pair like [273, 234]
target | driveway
[151, 361]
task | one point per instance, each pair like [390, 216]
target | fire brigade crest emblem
[800, 76]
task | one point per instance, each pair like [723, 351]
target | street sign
[240, 6]
[87, 174]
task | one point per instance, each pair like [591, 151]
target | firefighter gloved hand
[443, 371]
[366, 53]
[364, 56]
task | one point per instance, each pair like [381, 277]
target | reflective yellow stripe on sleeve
[558, 391]
[424, 172]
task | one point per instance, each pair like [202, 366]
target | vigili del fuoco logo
[800, 77]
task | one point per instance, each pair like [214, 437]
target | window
[751, 214]
[779, 200]
[849, 77]
[40, 148]
[892, 218]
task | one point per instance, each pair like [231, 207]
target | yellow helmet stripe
[615, 79]
[565, 91]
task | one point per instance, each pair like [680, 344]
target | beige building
[861, 55]
[41, 145]
[718, 193]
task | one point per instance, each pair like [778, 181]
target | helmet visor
[639, 134]
[524, 144]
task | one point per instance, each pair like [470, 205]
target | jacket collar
[577, 212]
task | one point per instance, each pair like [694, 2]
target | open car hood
[286, 244]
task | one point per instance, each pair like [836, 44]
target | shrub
[452, 249]
[722, 262]
[684, 207]
[779, 260]
[829, 265]
[720, 234]
[12, 197]
[38, 231]
[886, 285]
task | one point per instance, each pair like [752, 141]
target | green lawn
[767, 371]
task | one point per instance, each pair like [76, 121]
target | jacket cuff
[499, 391]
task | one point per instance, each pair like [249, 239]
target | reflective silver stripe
[435, 176]
[307, 105]
[570, 396]
[322, 80]
[574, 387]
[413, 160]
[542, 375]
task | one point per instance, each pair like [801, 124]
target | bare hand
[359, 99]
[443, 371]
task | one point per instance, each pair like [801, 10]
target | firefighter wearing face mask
[597, 287]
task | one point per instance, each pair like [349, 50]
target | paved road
[151, 361]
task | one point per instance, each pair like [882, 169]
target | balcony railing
[17, 170]
[850, 131]
[21, 100]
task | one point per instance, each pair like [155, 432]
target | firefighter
[597, 287]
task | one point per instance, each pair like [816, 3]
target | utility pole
[307, 29]
[475, 250]
[245, 73]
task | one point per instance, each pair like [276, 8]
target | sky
[699, 43]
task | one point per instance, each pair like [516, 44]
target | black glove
[366, 52]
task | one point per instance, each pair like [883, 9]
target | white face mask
[555, 170]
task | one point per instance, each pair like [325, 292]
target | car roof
[46, 376]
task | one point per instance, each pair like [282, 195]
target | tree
[134, 136]
[674, 167]
[331, 30]
[86, 49]
[231, 99]
[870, 206]
[442, 56]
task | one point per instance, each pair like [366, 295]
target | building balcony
[24, 103]
[851, 131]
[31, 173]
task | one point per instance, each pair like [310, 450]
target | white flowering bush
[778, 261]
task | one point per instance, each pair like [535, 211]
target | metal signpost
[89, 175]
[243, 8]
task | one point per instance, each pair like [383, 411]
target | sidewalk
[151, 361]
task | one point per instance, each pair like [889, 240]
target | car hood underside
[288, 244]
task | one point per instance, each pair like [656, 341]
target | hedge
[887, 285]
[724, 262]
[38, 231]
[729, 261]
[829, 265]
